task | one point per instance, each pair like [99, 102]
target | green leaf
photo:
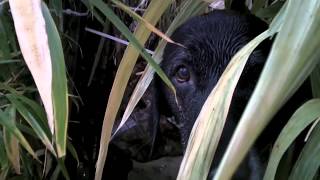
[38, 111]
[32, 121]
[63, 168]
[270, 11]
[73, 152]
[308, 162]
[31, 106]
[10, 126]
[116, 21]
[11, 143]
[28, 165]
[55, 174]
[300, 120]
[59, 83]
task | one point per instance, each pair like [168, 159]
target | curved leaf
[308, 162]
[10, 126]
[300, 120]
[32, 121]
[59, 83]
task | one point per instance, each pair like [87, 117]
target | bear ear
[239, 6]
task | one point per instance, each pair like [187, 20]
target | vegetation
[34, 107]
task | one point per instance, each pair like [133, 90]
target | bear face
[209, 42]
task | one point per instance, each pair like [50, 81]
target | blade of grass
[73, 152]
[308, 162]
[97, 57]
[63, 168]
[59, 83]
[27, 165]
[292, 58]
[301, 119]
[153, 13]
[10, 126]
[116, 21]
[33, 121]
[31, 106]
[143, 21]
[270, 11]
[11, 143]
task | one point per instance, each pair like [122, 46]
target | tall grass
[29, 130]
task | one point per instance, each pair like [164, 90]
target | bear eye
[182, 74]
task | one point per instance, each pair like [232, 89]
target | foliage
[32, 147]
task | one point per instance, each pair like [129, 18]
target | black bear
[209, 42]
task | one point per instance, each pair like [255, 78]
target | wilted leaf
[32, 36]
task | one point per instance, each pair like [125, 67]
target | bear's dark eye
[182, 74]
